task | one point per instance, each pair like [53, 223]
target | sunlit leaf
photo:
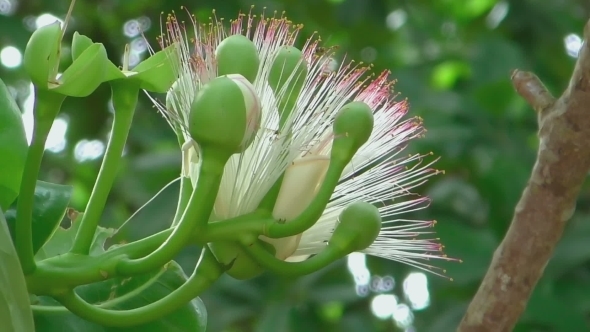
[15, 312]
[13, 148]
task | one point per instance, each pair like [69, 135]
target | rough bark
[547, 202]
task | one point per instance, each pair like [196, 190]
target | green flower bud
[237, 54]
[230, 254]
[225, 114]
[358, 227]
[41, 58]
[286, 78]
[353, 126]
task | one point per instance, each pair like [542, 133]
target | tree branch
[547, 203]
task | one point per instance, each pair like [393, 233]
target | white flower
[378, 173]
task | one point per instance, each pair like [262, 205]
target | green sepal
[157, 73]
[41, 57]
[79, 44]
[85, 74]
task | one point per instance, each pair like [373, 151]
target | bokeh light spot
[88, 150]
[572, 43]
[46, 19]
[383, 305]
[11, 57]
[416, 290]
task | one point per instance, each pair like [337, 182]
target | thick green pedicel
[237, 54]
[41, 56]
[225, 114]
[286, 78]
[359, 226]
[354, 122]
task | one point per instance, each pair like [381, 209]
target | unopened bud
[353, 126]
[225, 114]
[286, 78]
[237, 54]
[358, 227]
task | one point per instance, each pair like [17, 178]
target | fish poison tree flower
[290, 102]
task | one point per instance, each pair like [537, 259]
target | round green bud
[41, 57]
[225, 114]
[237, 54]
[230, 254]
[353, 125]
[358, 227]
[286, 78]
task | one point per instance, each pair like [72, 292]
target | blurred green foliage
[452, 60]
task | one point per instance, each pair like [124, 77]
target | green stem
[124, 96]
[194, 219]
[107, 304]
[292, 269]
[207, 271]
[47, 106]
[314, 211]
[183, 197]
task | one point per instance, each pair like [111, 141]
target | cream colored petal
[301, 182]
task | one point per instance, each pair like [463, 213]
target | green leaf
[15, 312]
[573, 249]
[63, 239]
[544, 307]
[118, 293]
[50, 205]
[13, 148]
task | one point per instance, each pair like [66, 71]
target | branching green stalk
[68, 270]
[106, 304]
[124, 94]
[194, 219]
[291, 269]
[314, 211]
[135, 292]
[208, 270]
[47, 106]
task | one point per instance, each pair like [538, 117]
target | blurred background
[452, 60]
